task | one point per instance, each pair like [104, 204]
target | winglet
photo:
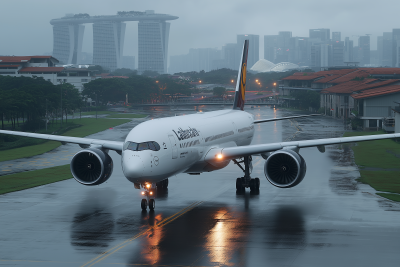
[238, 103]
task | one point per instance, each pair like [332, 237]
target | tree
[219, 91]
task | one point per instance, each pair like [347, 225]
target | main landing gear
[246, 181]
[149, 194]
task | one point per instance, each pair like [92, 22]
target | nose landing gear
[246, 181]
[149, 193]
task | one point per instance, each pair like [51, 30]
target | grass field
[88, 126]
[25, 180]
[380, 154]
[390, 196]
[126, 115]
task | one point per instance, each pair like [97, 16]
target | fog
[25, 27]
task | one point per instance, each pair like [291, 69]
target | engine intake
[91, 166]
[285, 168]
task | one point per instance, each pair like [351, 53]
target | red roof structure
[19, 59]
[9, 66]
[357, 86]
[42, 69]
[377, 92]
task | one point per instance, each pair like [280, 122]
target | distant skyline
[25, 27]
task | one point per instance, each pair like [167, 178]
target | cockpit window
[141, 146]
[132, 146]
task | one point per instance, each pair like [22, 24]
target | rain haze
[201, 24]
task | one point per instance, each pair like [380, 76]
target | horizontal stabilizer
[285, 118]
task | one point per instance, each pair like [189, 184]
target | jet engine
[91, 166]
[285, 168]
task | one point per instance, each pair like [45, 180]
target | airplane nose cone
[132, 165]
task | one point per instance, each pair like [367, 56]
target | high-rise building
[283, 49]
[229, 54]
[336, 37]
[108, 39]
[337, 53]
[153, 45]
[387, 49]
[395, 47]
[108, 44]
[67, 43]
[364, 50]
[322, 34]
[128, 62]
[270, 46]
[299, 51]
[348, 50]
[254, 48]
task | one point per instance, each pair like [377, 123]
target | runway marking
[162, 223]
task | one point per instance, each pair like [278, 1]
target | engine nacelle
[285, 168]
[91, 166]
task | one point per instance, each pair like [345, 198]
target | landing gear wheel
[257, 182]
[143, 204]
[152, 204]
[239, 184]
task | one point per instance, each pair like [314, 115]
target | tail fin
[238, 102]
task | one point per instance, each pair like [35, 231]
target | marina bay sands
[109, 36]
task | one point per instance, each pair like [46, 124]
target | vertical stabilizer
[238, 103]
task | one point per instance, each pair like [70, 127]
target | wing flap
[285, 118]
[241, 151]
[113, 145]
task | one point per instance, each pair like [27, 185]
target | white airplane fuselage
[184, 142]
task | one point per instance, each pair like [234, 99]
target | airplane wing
[285, 118]
[241, 151]
[82, 142]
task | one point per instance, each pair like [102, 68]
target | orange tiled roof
[13, 59]
[357, 86]
[377, 91]
[42, 69]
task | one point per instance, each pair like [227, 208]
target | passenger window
[143, 146]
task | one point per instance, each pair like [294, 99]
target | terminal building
[45, 67]
[109, 36]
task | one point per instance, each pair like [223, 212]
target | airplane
[157, 149]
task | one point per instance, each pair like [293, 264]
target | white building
[44, 66]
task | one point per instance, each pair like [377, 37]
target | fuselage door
[174, 146]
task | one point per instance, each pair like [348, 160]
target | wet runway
[327, 220]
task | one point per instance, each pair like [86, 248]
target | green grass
[376, 154]
[390, 196]
[89, 126]
[385, 181]
[100, 112]
[126, 115]
[25, 180]
[379, 154]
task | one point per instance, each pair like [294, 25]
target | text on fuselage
[186, 134]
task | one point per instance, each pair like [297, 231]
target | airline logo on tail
[238, 103]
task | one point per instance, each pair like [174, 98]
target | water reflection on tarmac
[327, 220]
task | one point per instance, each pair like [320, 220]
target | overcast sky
[25, 27]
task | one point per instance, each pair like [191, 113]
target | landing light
[142, 192]
[219, 156]
[151, 193]
[147, 185]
